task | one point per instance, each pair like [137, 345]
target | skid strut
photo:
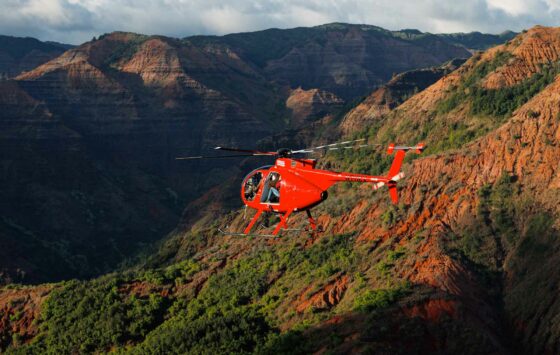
[312, 221]
[280, 226]
[253, 220]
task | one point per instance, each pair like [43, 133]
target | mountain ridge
[19, 54]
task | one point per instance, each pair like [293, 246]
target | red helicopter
[294, 185]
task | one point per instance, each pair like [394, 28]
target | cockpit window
[252, 186]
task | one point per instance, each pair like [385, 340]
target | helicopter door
[271, 192]
[252, 186]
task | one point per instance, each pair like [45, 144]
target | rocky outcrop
[325, 298]
[310, 105]
[389, 96]
[529, 52]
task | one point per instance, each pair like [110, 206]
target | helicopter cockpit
[260, 180]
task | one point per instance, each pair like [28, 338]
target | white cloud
[76, 21]
[553, 5]
[511, 7]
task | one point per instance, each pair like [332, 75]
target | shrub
[376, 299]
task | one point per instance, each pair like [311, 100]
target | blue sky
[76, 21]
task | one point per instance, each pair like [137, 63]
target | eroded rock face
[433, 310]
[530, 50]
[310, 105]
[325, 298]
[389, 96]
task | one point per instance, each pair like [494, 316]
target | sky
[77, 21]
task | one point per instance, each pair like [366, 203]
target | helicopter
[294, 185]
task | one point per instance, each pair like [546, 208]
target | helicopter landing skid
[287, 229]
[234, 234]
[310, 230]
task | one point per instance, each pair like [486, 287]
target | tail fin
[397, 163]
[394, 171]
[393, 192]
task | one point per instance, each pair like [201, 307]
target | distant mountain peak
[19, 54]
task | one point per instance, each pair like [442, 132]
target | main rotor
[285, 152]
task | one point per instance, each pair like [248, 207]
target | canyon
[465, 263]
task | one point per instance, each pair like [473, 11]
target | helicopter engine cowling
[298, 193]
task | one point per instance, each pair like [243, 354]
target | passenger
[274, 187]
[252, 186]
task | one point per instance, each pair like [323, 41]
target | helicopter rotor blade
[356, 146]
[217, 156]
[331, 146]
[253, 152]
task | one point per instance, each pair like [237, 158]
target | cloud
[76, 21]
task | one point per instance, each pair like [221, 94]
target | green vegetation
[507, 222]
[493, 228]
[237, 310]
[477, 40]
[237, 331]
[376, 299]
[83, 317]
[502, 102]
[126, 49]
[537, 236]
[497, 102]
[461, 93]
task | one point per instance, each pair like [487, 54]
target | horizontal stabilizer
[395, 178]
[419, 148]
